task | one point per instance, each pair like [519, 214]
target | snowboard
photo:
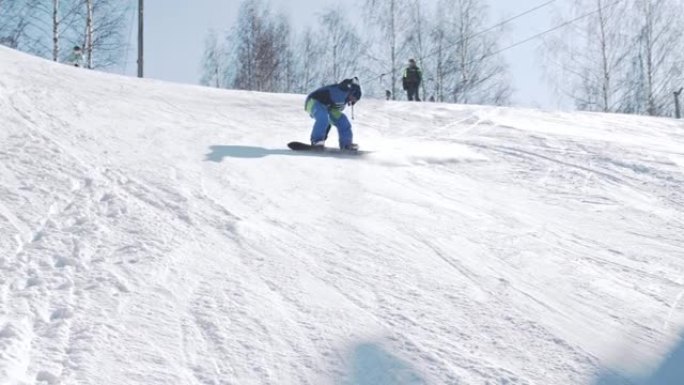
[300, 146]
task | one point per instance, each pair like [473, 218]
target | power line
[540, 34]
[526, 40]
[529, 11]
[493, 27]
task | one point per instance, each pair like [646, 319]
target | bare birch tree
[624, 56]
[389, 19]
[657, 57]
[469, 68]
[284, 69]
[341, 46]
[263, 59]
[13, 23]
[63, 14]
[42, 27]
[309, 73]
[98, 26]
[89, 33]
[20, 28]
[441, 58]
[593, 53]
[213, 61]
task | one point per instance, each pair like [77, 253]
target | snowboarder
[325, 105]
[411, 80]
[76, 57]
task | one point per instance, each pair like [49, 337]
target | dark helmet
[355, 88]
[356, 91]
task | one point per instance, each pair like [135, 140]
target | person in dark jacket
[411, 80]
[76, 57]
[326, 104]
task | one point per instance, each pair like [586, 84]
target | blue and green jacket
[333, 97]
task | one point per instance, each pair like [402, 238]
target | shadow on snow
[218, 153]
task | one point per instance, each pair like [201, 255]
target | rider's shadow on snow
[371, 365]
[218, 153]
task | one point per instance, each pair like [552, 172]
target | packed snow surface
[153, 233]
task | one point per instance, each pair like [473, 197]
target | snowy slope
[153, 233]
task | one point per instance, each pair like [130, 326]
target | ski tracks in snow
[636, 199]
[51, 274]
[470, 249]
[69, 256]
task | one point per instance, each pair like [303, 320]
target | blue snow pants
[324, 118]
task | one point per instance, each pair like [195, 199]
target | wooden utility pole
[678, 114]
[140, 38]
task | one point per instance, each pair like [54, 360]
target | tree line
[627, 57]
[621, 56]
[263, 53]
[51, 28]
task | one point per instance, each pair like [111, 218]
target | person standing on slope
[76, 57]
[411, 80]
[325, 105]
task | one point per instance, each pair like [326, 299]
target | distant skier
[325, 105]
[76, 57]
[411, 80]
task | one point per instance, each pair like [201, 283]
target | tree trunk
[605, 87]
[89, 34]
[649, 45]
[140, 38]
[55, 30]
[393, 49]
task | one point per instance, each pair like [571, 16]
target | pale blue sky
[175, 31]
